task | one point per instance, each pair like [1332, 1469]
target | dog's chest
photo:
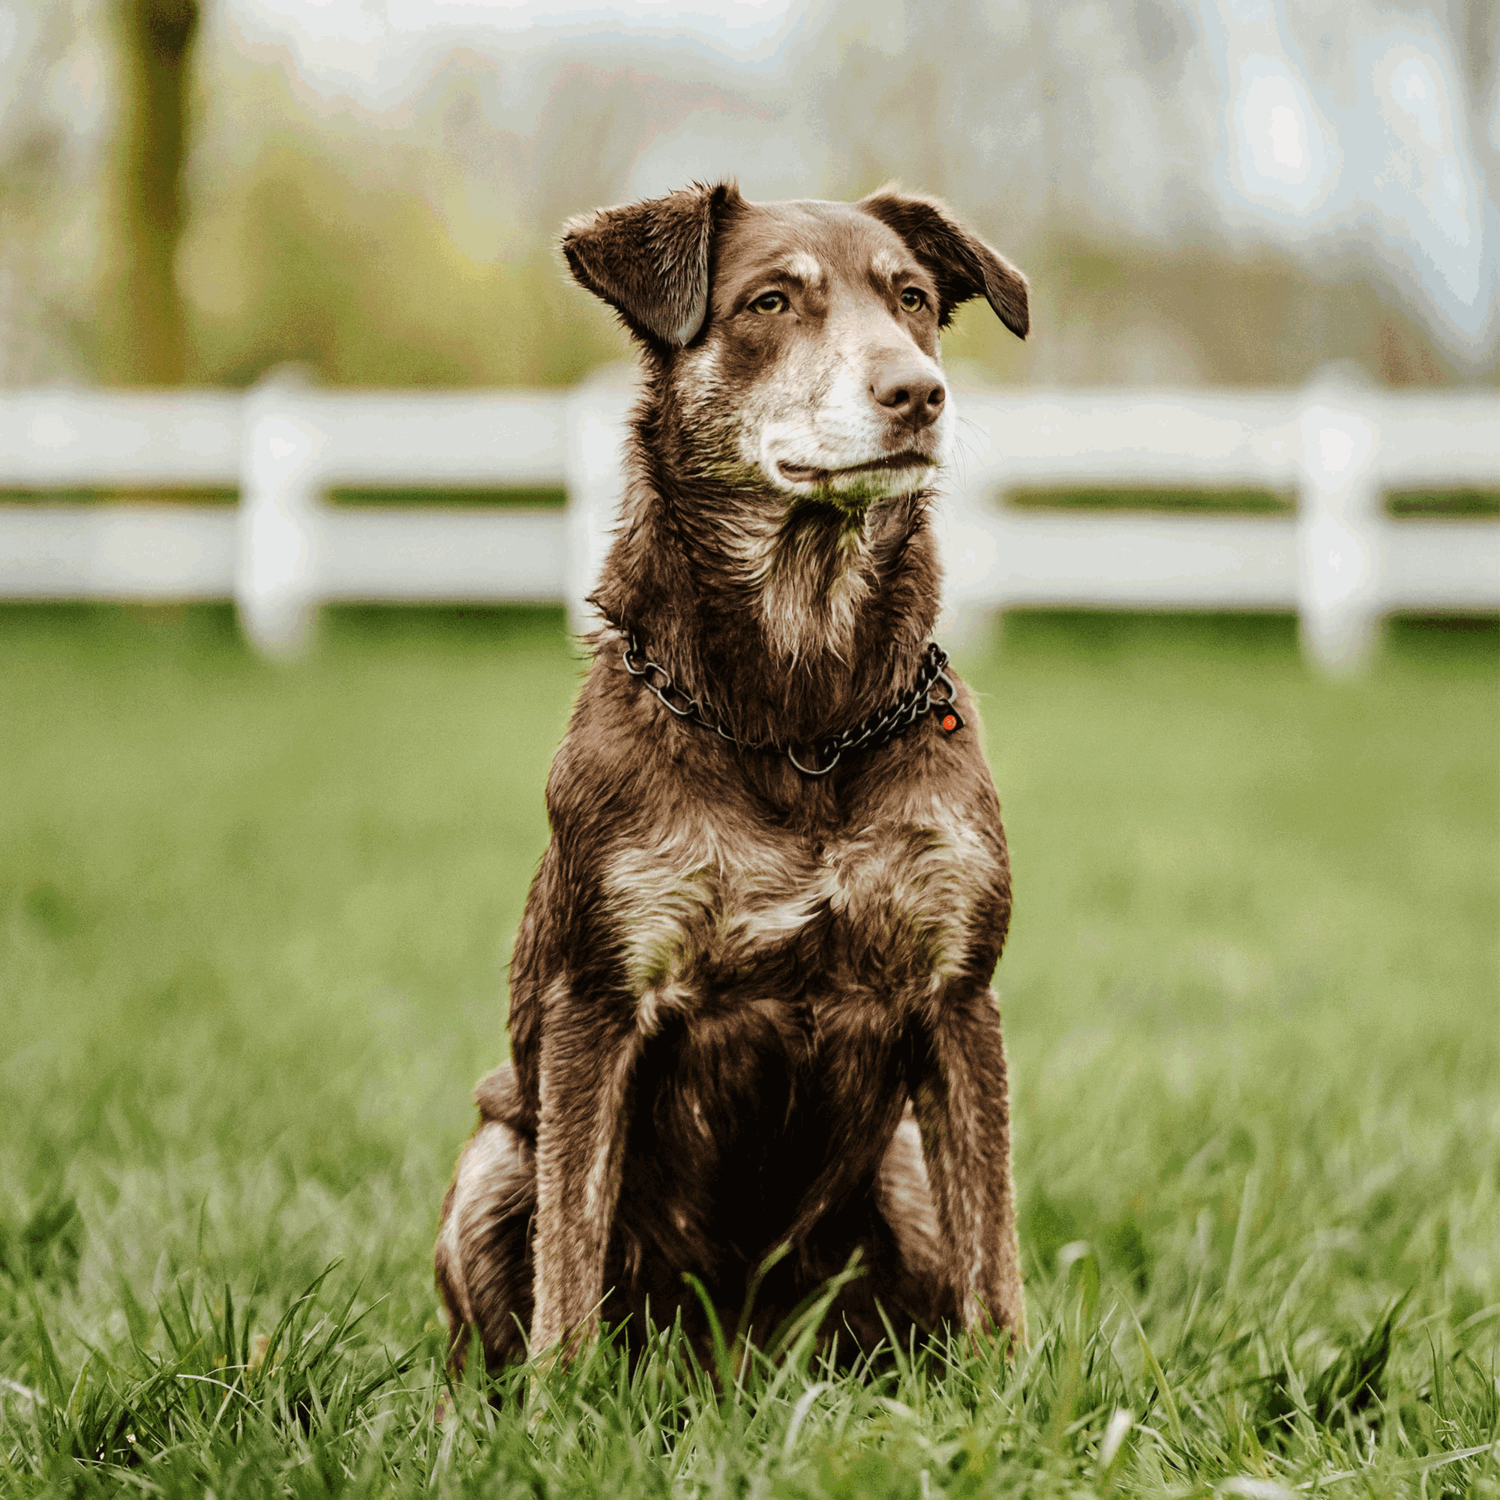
[707, 910]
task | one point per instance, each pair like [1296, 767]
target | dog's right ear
[649, 260]
[960, 262]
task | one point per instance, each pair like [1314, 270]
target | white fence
[1339, 560]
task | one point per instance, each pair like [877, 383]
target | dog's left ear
[650, 260]
[961, 263]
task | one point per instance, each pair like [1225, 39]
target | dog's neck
[790, 621]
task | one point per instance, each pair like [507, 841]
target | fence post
[1338, 533]
[968, 520]
[275, 572]
[598, 413]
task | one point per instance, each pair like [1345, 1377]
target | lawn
[253, 928]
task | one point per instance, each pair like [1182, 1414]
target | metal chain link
[877, 729]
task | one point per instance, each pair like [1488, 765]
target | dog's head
[801, 338]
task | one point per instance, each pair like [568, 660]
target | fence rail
[1338, 559]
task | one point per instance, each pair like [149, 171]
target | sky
[373, 49]
[1383, 148]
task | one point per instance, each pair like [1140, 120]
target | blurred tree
[39, 177]
[339, 261]
[147, 339]
[25, 332]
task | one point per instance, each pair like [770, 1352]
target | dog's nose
[910, 393]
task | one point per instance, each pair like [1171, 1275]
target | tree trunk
[150, 344]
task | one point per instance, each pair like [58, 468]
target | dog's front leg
[961, 1099]
[585, 1084]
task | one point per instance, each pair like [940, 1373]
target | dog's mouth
[806, 474]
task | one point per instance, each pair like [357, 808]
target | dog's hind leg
[915, 1282]
[483, 1258]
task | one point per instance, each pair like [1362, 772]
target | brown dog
[750, 1003]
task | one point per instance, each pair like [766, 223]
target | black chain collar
[878, 729]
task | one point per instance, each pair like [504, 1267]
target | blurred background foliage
[191, 191]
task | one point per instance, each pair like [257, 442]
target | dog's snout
[909, 392]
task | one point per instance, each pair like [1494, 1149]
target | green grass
[253, 924]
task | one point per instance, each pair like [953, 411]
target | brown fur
[751, 1009]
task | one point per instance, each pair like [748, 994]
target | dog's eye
[913, 299]
[770, 302]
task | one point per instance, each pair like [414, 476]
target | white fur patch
[819, 414]
[806, 269]
[686, 899]
[909, 885]
[809, 600]
[486, 1162]
[696, 898]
